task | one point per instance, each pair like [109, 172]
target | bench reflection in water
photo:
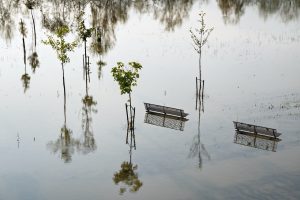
[256, 141]
[166, 121]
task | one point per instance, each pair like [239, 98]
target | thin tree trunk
[64, 86]
[199, 141]
[130, 107]
[24, 50]
[200, 76]
[33, 21]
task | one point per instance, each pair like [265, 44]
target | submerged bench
[165, 110]
[257, 130]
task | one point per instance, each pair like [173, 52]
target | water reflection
[65, 144]
[105, 16]
[25, 78]
[171, 13]
[256, 141]
[167, 121]
[233, 10]
[7, 23]
[197, 148]
[127, 176]
[89, 106]
[34, 61]
[33, 58]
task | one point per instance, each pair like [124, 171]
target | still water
[63, 135]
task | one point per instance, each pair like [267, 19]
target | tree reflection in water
[25, 77]
[7, 24]
[105, 16]
[232, 10]
[33, 58]
[65, 144]
[172, 12]
[88, 144]
[128, 175]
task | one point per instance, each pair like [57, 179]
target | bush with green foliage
[60, 44]
[126, 76]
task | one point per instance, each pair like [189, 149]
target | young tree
[200, 37]
[126, 76]
[83, 34]
[59, 44]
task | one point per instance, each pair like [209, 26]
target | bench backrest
[165, 110]
[256, 129]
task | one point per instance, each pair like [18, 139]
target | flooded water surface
[73, 123]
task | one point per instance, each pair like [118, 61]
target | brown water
[250, 65]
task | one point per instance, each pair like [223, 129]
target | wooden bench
[257, 130]
[164, 110]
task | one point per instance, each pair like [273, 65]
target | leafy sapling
[126, 76]
[59, 44]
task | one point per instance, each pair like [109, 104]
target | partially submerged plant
[59, 43]
[126, 76]
[200, 35]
